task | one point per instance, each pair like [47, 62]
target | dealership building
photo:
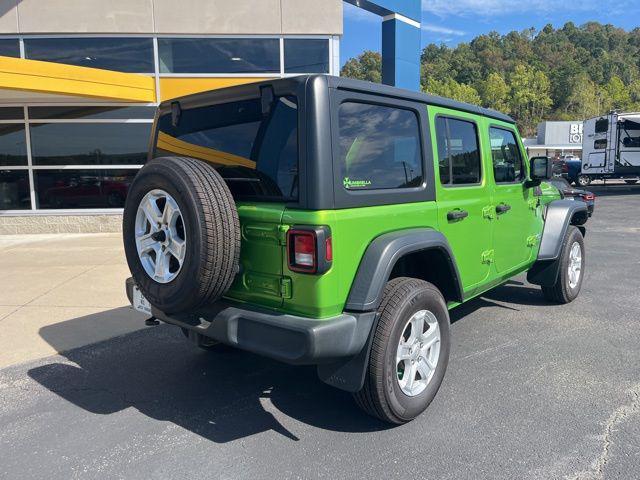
[555, 139]
[80, 79]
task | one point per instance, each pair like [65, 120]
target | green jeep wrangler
[326, 221]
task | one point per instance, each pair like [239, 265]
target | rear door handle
[503, 208]
[457, 215]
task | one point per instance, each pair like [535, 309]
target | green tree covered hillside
[567, 73]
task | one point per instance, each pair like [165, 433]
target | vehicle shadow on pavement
[223, 395]
[513, 292]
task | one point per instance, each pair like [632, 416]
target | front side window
[122, 54]
[458, 151]
[219, 55]
[256, 153]
[507, 159]
[380, 147]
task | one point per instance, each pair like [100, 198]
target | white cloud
[428, 27]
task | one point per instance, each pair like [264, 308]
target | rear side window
[380, 147]
[458, 151]
[256, 153]
[507, 159]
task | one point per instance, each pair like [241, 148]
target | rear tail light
[565, 168]
[588, 196]
[309, 249]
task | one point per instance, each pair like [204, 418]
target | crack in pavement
[619, 415]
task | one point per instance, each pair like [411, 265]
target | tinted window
[89, 143]
[14, 190]
[458, 151]
[630, 134]
[256, 154]
[40, 113]
[602, 125]
[122, 53]
[507, 160]
[12, 113]
[219, 55]
[82, 188]
[10, 47]
[306, 55]
[13, 147]
[600, 144]
[379, 147]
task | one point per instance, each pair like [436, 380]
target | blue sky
[455, 21]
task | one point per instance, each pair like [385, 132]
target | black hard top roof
[354, 85]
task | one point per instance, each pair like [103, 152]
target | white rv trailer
[611, 148]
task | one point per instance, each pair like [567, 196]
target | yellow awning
[23, 80]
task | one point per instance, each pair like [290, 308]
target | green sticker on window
[349, 183]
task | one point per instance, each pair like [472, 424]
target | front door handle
[457, 215]
[502, 208]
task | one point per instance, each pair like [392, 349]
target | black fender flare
[559, 215]
[380, 258]
[366, 294]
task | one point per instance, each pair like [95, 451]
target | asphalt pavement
[533, 391]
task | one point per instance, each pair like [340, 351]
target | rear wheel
[572, 261]
[181, 233]
[583, 180]
[409, 353]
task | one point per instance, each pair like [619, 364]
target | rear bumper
[288, 338]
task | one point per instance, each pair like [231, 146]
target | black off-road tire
[212, 230]
[381, 395]
[561, 291]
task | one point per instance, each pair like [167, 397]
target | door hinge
[285, 287]
[282, 234]
[532, 240]
[487, 257]
[489, 212]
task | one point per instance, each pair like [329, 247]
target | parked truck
[611, 148]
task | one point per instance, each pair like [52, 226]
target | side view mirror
[540, 170]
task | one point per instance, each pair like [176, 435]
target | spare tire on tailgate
[181, 233]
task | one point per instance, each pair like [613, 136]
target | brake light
[304, 249]
[565, 168]
[588, 196]
[309, 249]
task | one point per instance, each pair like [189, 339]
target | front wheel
[409, 353]
[572, 261]
[583, 180]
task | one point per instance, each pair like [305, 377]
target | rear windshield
[256, 153]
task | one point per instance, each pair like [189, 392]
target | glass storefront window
[219, 55]
[13, 147]
[14, 190]
[10, 47]
[302, 55]
[82, 188]
[12, 113]
[89, 143]
[91, 113]
[123, 54]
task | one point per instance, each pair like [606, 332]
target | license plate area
[140, 303]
